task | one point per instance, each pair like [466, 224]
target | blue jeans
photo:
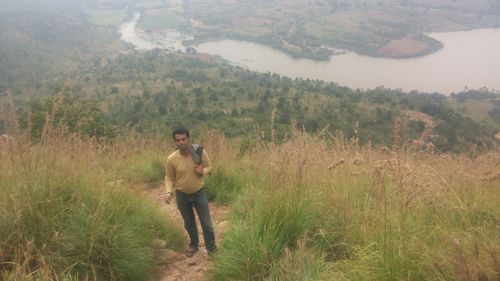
[198, 200]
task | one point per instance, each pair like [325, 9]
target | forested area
[151, 92]
[97, 86]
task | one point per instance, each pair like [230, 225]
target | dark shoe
[190, 251]
[211, 255]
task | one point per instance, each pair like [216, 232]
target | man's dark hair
[180, 131]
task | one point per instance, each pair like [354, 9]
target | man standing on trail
[184, 172]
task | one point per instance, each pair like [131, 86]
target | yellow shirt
[180, 174]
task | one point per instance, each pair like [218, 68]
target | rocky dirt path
[173, 266]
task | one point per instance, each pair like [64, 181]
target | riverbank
[405, 48]
[448, 62]
[465, 60]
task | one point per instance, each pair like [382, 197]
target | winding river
[469, 59]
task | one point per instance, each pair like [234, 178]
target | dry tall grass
[324, 203]
[66, 213]
[379, 213]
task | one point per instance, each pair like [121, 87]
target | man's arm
[169, 180]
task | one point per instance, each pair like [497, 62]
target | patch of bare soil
[405, 47]
[174, 266]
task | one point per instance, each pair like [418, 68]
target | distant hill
[45, 41]
[389, 28]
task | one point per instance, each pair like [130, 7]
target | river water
[129, 34]
[166, 39]
[469, 59]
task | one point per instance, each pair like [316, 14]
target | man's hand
[199, 169]
[168, 197]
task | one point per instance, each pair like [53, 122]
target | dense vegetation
[67, 214]
[336, 211]
[309, 208]
[154, 91]
[78, 82]
[314, 210]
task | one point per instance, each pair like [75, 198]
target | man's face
[181, 141]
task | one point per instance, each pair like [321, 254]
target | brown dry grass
[425, 197]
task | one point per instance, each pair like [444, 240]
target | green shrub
[146, 168]
[331, 234]
[299, 265]
[222, 188]
[249, 249]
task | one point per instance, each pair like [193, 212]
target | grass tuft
[145, 168]
[222, 188]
